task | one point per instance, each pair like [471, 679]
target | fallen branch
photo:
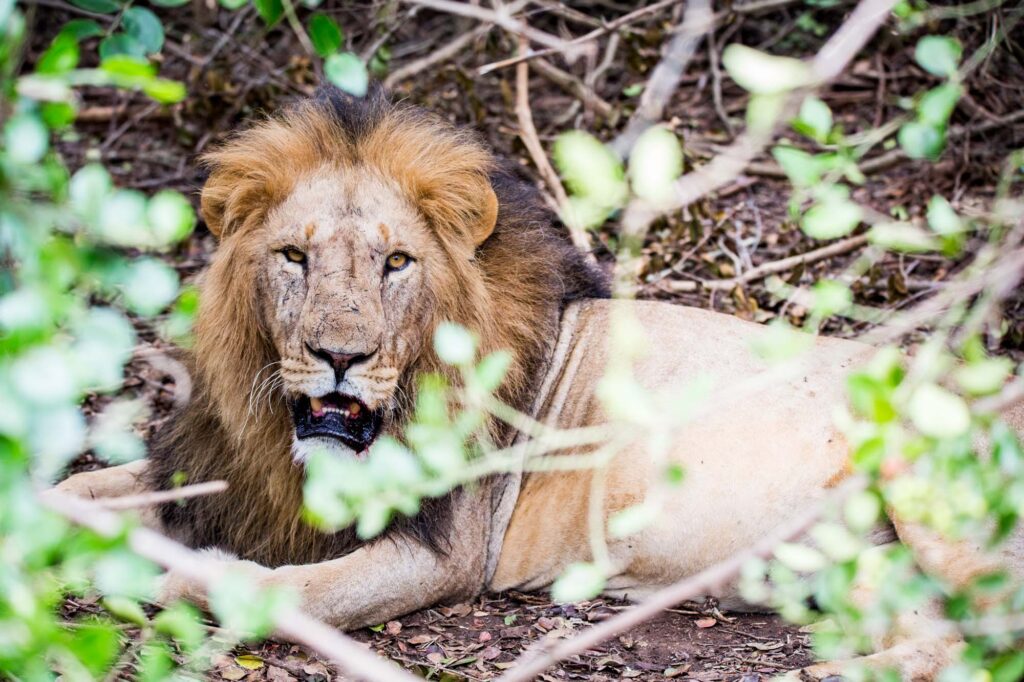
[696, 586]
[772, 268]
[156, 497]
[290, 622]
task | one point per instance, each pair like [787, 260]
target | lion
[348, 229]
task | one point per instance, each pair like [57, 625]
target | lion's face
[346, 298]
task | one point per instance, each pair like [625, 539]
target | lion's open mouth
[337, 416]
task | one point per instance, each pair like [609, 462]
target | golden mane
[510, 274]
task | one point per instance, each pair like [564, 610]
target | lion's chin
[304, 448]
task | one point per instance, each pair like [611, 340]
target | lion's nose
[338, 360]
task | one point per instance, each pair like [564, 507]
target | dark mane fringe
[511, 291]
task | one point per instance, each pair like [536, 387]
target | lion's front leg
[380, 581]
[116, 481]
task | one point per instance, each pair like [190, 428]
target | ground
[236, 69]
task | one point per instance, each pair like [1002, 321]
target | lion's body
[760, 450]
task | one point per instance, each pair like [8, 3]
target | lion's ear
[212, 204]
[488, 217]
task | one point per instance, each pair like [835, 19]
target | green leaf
[815, 119]
[232, 4]
[802, 169]
[96, 645]
[149, 286]
[26, 139]
[170, 217]
[832, 218]
[942, 218]
[127, 609]
[861, 511]
[182, 622]
[61, 56]
[800, 558]
[902, 237]
[937, 105]
[131, 66]
[631, 520]
[121, 44]
[938, 413]
[165, 91]
[831, 297]
[155, 662]
[654, 164]
[762, 73]
[270, 10]
[348, 72]
[170, 3]
[579, 582]
[590, 169]
[80, 29]
[144, 26]
[99, 6]
[454, 344]
[325, 34]
[57, 115]
[922, 141]
[121, 573]
[984, 376]
[938, 55]
[492, 369]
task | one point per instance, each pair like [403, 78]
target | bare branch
[528, 134]
[665, 78]
[154, 498]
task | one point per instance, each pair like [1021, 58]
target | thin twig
[575, 87]
[437, 56]
[154, 498]
[593, 35]
[695, 586]
[502, 17]
[289, 622]
[528, 134]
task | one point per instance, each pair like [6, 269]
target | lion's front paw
[175, 584]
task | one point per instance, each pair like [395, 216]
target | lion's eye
[294, 255]
[398, 261]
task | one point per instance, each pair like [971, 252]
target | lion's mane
[510, 292]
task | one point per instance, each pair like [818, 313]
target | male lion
[349, 228]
